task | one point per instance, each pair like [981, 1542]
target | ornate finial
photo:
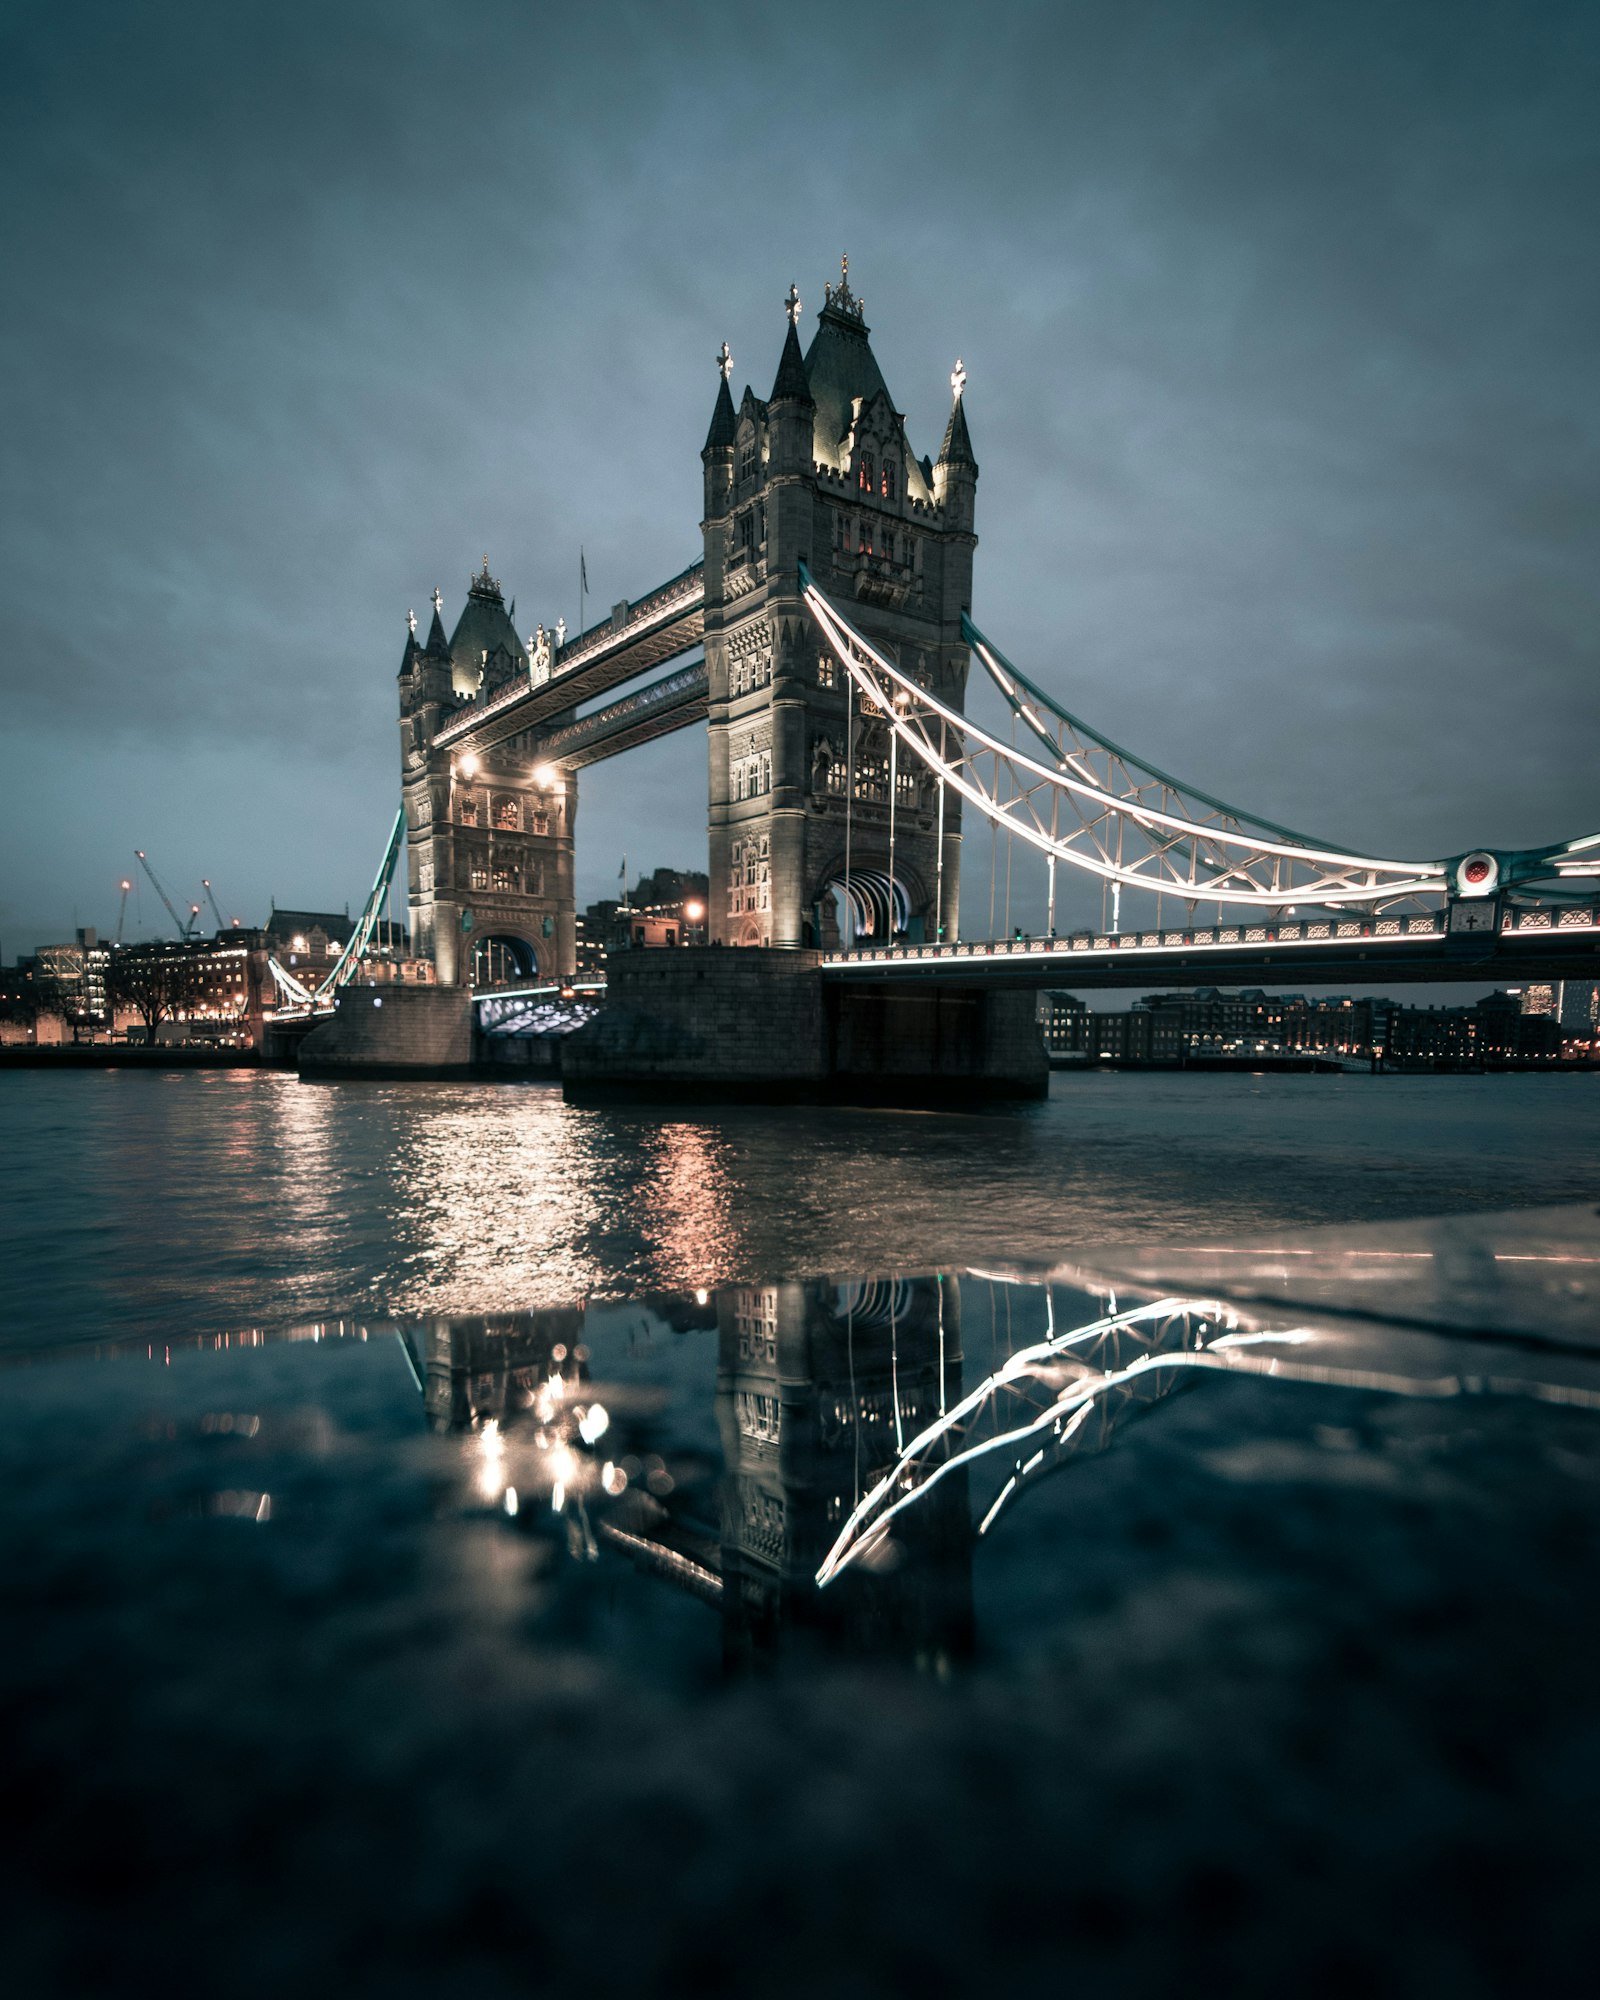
[792, 305]
[486, 565]
[958, 379]
[840, 297]
[725, 360]
[411, 621]
[483, 584]
[438, 601]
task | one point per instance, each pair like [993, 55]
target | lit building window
[891, 479]
[506, 816]
[867, 481]
[827, 671]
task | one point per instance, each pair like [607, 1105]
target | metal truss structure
[1084, 801]
[319, 999]
[1068, 1394]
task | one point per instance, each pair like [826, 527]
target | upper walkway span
[636, 637]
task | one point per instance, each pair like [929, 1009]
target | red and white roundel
[1477, 875]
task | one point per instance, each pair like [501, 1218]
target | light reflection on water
[183, 1203]
[830, 1457]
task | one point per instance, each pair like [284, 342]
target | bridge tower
[822, 473]
[489, 837]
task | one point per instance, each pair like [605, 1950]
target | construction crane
[156, 884]
[211, 899]
[122, 907]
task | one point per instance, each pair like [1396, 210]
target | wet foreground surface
[1223, 1615]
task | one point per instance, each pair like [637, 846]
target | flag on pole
[583, 569]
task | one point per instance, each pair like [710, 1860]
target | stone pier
[763, 1024]
[422, 1032]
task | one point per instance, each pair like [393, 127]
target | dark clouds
[1280, 323]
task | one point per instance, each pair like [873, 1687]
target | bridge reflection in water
[818, 1388]
[858, 1459]
[821, 1462]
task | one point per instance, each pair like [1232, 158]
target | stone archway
[871, 910]
[501, 958]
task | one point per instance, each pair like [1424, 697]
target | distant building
[1063, 1021]
[1494, 1029]
[664, 908]
[69, 982]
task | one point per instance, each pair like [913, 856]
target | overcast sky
[1280, 322]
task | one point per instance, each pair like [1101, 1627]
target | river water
[457, 1541]
[205, 1202]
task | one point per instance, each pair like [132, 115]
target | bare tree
[153, 984]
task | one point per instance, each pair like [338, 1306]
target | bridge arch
[868, 907]
[502, 957]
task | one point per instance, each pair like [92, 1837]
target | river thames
[457, 1541]
[205, 1202]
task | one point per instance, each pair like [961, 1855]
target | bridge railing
[1377, 930]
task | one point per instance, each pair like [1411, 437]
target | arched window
[866, 472]
[891, 479]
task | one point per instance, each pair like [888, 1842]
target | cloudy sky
[1280, 322]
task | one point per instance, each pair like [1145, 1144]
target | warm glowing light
[701, 1297]
[694, 911]
[492, 1451]
[594, 1423]
[469, 765]
[547, 777]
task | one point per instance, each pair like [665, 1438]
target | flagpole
[583, 585]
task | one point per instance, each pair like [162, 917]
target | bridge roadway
[637, 637]
[1492, 947]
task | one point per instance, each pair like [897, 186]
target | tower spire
[791, 383]
[957, 446]
[723, 422]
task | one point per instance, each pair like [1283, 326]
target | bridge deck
[1519, 945]
[676, 701]
[670, 621]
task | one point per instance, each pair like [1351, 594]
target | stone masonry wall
[398, 1031]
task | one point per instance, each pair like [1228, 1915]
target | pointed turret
[955, 476]
[957, 446]
[791, 383]
[438, 646]
[723, 422]
[408, 658]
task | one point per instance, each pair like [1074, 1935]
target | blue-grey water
[415, 1499]
[203, 1202]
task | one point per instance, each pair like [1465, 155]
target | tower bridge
[824, 638]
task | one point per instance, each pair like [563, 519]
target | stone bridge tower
[489, 838]
[822, 472]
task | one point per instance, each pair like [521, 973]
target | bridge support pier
[708, 1023]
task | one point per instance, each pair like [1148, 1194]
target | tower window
[749, 458]
[891, 479]
[827, 671]
[866, 472]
